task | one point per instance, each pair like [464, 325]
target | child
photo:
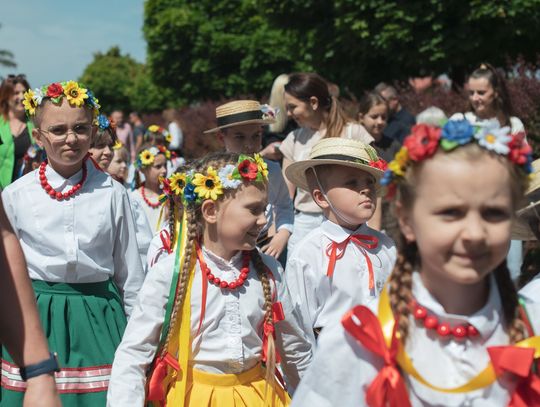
[118, 168]
[343, 256]
[77, 232]
[152, 163]
[447, 329]
[240, 130]
[102, 143]
[217, 293]
[159, 136]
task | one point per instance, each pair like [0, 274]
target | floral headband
[196, 187]
[154, 128]
[76, 94]
[147, 156]
[269, 112]
[117, 145]
[424, 141]
[105, 123]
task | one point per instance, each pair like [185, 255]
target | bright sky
[54, 40]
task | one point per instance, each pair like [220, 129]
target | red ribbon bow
[268, 329]
[165, 237]
[388, 388]
[336, 251]
[518, 362]
[156, 392]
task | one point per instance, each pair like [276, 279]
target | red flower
[380, 164]
[248, 170]
[520, 150]
[422, 142]
[54, 90]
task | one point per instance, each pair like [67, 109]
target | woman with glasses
[15, 128]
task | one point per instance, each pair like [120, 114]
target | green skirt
[84, 324]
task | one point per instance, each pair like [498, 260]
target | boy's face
[352, 193]
[245, 139]
[65, 132]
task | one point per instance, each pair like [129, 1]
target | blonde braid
[262, 273]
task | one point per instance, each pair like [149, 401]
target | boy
[343, 262]
[239, 128]
[77, 232]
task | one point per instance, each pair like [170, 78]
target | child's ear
[360, 117]
[220, 137]
[405, 222]
[319, 198]
[209, 211]
[314, 102]
[36, 135]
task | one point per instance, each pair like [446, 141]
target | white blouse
[230, 339]
[323, 300]
[88, 238]
[343, 369]
[152, 214]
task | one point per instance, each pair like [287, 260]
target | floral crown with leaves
[154, 128]
[147, 156]
[425, 140]
[75, 93]
[195, 187]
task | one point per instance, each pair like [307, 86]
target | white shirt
[279, 200]
[142, 229]
[88, 238]
[152, 214]
[323, 300]
[230, 340]
[343, 369]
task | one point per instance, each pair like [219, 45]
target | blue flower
[189, 193]
[458, 131]
[387, 178]
[103, 122]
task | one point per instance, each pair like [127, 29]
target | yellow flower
[117, 145]
[261, 165]
[153, 128]
[29, 102]
[396, 168]
[208, 186]
[178, 183]
[402, 156]
[167, 154]
[75, 95]
[168, 138]
[147, 158]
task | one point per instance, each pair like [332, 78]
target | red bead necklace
[239, 282]
[150, 204]
[443, 329]
[60, 195]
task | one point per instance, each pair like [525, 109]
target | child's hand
[41, 391]
[272, 152]
[276, 246]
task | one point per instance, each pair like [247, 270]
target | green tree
[213, 48]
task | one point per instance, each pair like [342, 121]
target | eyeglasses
[60, 133]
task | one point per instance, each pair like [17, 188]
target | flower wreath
[154, 128]
[269, 112]
[76, 94]
[147, 156]
[117, 145]
[425, 140]
[196, 187]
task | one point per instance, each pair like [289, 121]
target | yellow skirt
[229, 390]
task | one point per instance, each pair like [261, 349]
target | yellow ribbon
[485, 378]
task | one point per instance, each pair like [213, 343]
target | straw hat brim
[241, 123]
[296, 172]
[522, 231]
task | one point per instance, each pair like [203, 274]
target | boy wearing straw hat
[343, 262]
[239, 128]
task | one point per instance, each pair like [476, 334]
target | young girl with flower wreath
[151, 162]
[78, 240]
[212, 316]
[448, 329]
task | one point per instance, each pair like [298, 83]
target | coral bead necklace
[147, 201]
[59, 196]
[239, 282]
[444, 330]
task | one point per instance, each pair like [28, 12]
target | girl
[118, 168]
[151, 162]
[217, 293]
[373, 114]
[448, 329]
[78, 240]
[101, 147]
[319, 115]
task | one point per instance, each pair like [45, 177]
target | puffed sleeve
[141, 338]
[128, 270]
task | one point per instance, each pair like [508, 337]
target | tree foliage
[219, 48]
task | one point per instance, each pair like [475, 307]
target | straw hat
[335, 151]
[520, 229]
[239, 112]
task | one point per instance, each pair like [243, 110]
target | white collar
[485, 320]
[57, 181]
[339, 234]
[234, 263]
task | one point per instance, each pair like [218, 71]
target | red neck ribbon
[336, 251]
